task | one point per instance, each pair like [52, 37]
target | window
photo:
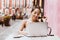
[7, 3]
[13, 4]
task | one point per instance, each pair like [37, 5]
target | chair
[7, 20]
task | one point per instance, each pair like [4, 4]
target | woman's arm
[23, 25]
[22, 28]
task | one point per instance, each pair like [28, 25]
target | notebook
[37, 29]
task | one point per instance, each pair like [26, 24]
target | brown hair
[36, 8]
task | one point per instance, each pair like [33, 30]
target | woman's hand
[23, 33]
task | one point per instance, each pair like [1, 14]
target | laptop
[37, 29]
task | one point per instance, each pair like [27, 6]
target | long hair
[35, 8]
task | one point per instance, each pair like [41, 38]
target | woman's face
[35, 14]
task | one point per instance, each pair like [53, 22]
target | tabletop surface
[11, 37]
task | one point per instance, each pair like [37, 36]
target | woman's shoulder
[26, 21]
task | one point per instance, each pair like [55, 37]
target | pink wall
[52, 11]
[58, 17]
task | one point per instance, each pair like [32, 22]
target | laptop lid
[37, 28]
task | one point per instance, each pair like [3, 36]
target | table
[32, 38]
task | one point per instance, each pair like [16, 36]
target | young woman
[33, 18]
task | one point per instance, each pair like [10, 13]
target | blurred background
[18, 9]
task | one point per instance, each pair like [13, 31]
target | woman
[33, 18]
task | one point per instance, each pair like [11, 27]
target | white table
[11, 37]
